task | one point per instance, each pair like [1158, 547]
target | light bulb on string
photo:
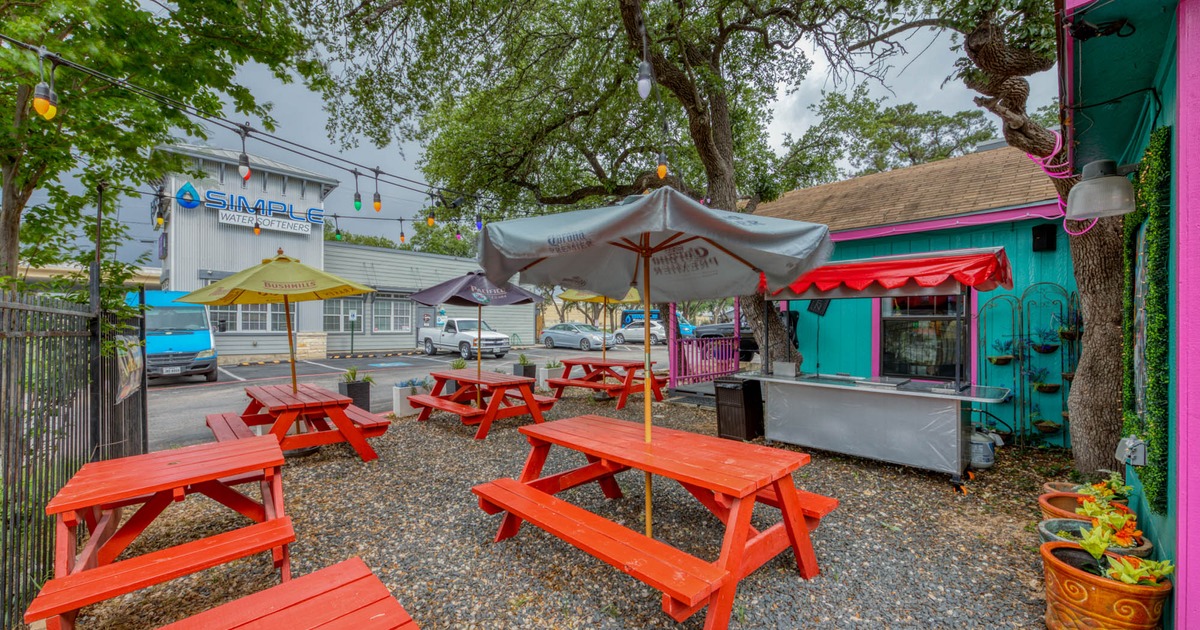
[401, 231]
[457, 234]
[158, 220]
[257, 228]
[662, 165]
[41, 98]
[429, 219]
[45, 100]
[377, 202]
[357, 197]
[644, 81]
[478, 221]
[243, 159]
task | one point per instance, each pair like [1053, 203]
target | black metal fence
[60, 407]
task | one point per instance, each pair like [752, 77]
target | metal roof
[230, 156]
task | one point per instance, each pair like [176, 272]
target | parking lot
[178, 405]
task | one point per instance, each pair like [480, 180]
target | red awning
[984, 270]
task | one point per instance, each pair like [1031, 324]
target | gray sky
[916, 77]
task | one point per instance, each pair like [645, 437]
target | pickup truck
[459, 334]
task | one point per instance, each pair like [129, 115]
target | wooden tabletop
[279, 398]
[491, 379]
[114, 480]
[597, 362]
[732, 468]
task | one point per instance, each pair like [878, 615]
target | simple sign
[237, 209]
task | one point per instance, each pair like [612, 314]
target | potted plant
[1002, 352]
[1039, 377]
[1073, 505]
[1068, 376]
[1088, 586]
[357, 387]
[1045, 341]
[402, 390]
[1112, 487]
[451, 385]
[1069, 325]
[524, 367]
[553, 369]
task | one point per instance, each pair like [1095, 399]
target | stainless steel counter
[921, 424]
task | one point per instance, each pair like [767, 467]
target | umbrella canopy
[687, 250]
[281, 279]
[474, 289]
[696, 252]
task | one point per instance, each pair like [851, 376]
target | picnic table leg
[351, 433]
[489, 416]
[608, 484]
[720, 605]
[535, 409]
[655, 386]
[137, 524]
[284, 422]
[626, 387]
[511, 523]
[272, 493]
[233, 500]
[797, 529]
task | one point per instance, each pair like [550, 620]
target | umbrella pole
[646, 376]
[604, 327]
[287, 313]
[478, 352]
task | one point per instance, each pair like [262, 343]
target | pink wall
[1187, 317]
[1049, 210]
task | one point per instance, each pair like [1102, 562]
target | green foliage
[1047, 115]
[878, 137]
[351, 375]
[458, 364]
[1153, 189]
[553, 364]
[442, 239]
[189, 51]
[523, 360]
[1133, 570]
[360, 239]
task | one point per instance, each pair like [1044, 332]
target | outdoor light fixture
[257, 228]
[429, 219]
[45, 100]
[401, 231]
[1103, 191]
[243, 159]
[457, 234]
[478, 221]
[357, 197]
[377, 202]
[644, 81]
[662, 165]
[337, 234]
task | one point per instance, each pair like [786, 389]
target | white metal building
[209, 233]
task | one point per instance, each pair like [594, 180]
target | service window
[919, 336]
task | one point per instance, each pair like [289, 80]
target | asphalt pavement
[178, 405]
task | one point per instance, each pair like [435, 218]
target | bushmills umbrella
[688, 250]
[281, 279]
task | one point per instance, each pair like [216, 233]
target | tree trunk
[753, 308]
[12, 199]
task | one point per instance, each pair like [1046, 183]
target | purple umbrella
[474, 289]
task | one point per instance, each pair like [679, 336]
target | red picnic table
[506, 396]
[278, 406]
[595, 373]
[96, 495]
[726, 477]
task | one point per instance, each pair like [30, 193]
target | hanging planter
[1047, 388]
[1003, 349]
[1047, 427]
[1000, 359]
[1068, 376]
[1045, 342]
[1069, 325]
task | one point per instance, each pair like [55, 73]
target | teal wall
[846, 331]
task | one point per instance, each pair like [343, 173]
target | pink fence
[699, 360]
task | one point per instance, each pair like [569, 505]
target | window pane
[402, 316]
[383, 315]
[254, 317]
[279, 318]
[920, 348]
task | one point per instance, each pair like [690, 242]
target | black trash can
[739, 408]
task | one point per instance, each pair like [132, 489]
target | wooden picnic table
[505, 396]
[97, 494]
[595, 373]
[315, 408]
[726, 477]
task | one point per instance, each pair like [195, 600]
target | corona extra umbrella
[575, 295]
[278, 280]
[474, 289]
[689, 250]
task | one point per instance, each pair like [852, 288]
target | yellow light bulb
[662, 171]
[158, 220]
[40, 105]
[51, 110]
[429, 221]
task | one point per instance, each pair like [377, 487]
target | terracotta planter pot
[1048, 530]
[1078, 599]
[1063, 504]
[1059, 486]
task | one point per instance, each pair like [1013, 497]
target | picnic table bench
[628, 377]
[505, 395]
[329, 415]
[345, 596]
[96, 495]
[726, 477]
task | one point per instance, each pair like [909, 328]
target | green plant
[415, 384]
[1038, 376]
[351, 376]
[523, 360]
[1071, 322]
[458, 364]
[1127, 569]
[1002, 346]
[553, 364]
[1112, 488]
[1048, 336]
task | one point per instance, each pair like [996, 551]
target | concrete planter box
[400, 405]
[545, 374]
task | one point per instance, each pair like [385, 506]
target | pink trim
[876, 314]
[974, 337]
[1071, 5]
[1187, 317]
[1049, 210]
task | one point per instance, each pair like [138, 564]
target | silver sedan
[582, 336]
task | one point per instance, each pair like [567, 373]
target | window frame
[961, 317]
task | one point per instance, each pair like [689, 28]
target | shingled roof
[977, 182]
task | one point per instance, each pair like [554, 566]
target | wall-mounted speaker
[1045, 237]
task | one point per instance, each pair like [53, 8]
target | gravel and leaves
[902, 549]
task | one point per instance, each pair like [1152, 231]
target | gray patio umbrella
[474, 289]
[685, 249]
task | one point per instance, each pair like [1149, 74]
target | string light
[243, 159]
[478, 221]
[429, 219]
[662, 165]
[337, 229]
[45, 99]
[644, 82]
[378, 202]
[457, 234]
[357, 197]
[257, 228]
[401, 231]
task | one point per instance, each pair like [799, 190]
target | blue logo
[188, 197]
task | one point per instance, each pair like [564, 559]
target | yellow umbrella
[279, 279]
[575, 295]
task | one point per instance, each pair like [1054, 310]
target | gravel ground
[901, 551]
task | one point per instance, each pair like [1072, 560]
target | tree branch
[888, 34]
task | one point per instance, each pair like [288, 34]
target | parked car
[635, 333]
[582, 336]
[458, 334]
[747, 345]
